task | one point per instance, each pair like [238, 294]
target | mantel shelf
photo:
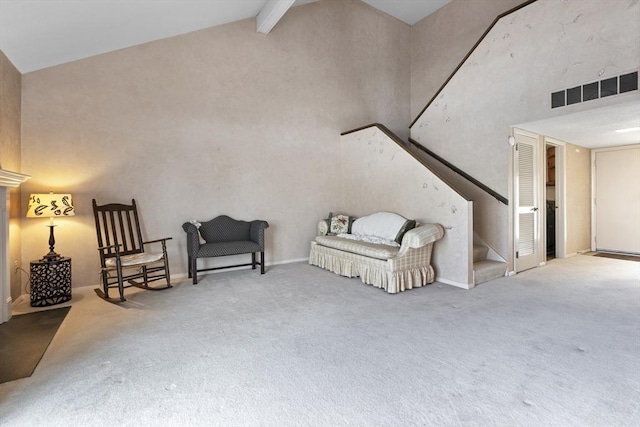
[12, 179]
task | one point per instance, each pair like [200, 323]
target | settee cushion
[228, 248]
[371, 250]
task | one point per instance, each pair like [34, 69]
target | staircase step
[486, 270]
[480, 253]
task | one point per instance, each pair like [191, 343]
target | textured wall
[219, 121]
[543, 47]
[441, 40]
[10, 80]
[439, 43]
[489, 228]
[578, 194]
[378, 175]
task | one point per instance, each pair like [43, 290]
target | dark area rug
[618, 256]
[24, 339]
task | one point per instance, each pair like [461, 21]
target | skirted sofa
[383, 249]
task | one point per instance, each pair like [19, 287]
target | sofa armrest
[257, 231]
[422, 235]
[323, 227]
[193, 238]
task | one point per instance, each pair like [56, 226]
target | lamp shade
[50, 205]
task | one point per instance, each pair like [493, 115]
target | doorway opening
[555, 195]
[550, 198]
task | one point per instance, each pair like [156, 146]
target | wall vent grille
[594, 90]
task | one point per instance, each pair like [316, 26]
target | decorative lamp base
[52, 255]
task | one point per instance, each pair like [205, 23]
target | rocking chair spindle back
[122, 250]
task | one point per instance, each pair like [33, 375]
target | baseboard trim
[456, 284]
[19, 300]
[289, 261]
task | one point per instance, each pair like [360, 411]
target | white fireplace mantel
[11, 179]
[8, 179]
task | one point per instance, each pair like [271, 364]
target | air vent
[591, 91]
[594, 90]
[574, 95]
[609, 87]
[557, 99]
[628, 82]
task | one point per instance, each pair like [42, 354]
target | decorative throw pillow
[409, 224]
[197, 224]
[340, 223]
[385, 225]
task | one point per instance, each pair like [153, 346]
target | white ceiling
[408, 11]
[593, 128]
[36, 34]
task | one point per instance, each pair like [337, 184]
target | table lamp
[50, 206]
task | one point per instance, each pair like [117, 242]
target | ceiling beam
[271, 13]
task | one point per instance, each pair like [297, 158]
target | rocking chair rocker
[123, 255]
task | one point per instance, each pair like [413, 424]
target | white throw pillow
[384, 225]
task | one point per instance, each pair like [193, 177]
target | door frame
[594, 218]
[561, 197]
[561, 189]
[5, 283]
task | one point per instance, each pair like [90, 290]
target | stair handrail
[460, 172]
[455, 71]
[404, 145]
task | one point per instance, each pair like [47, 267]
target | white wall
[219, 121]
[379, 175]
[543, 47]
[440, 42]
[578, 198]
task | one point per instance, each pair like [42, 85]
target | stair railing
[460, 172]
[405, 146]
[453, 73]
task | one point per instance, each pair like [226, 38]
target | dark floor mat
[618, 256]
[24, 339]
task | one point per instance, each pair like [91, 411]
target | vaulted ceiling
[36, 34]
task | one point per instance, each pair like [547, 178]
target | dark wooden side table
[50, 282]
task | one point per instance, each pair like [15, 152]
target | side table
[50, 281]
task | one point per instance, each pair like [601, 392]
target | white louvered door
[526, 188]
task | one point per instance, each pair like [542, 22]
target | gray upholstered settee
[392, 268]
[223, 236]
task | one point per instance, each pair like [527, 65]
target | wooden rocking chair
[123, 255]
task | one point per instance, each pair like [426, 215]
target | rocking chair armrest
[158, 240]
[115, 245]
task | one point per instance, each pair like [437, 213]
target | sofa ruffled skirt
[412, 270]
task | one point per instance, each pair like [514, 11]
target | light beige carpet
[300, 346]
